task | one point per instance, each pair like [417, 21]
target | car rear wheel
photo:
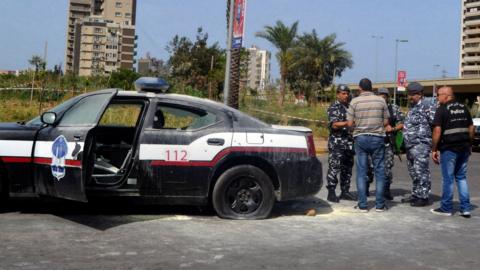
[243, 192]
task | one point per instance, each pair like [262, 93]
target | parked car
[476, 123]
[167, 148]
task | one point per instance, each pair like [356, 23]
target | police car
[166, 148]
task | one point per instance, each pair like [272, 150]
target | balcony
[471, 68]
[473, 4]
[472, 31]
[471, 40]
[472, 23]
[471, 14]
[471, 49]
[471, 59]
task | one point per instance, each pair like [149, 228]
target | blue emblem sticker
[59, 152]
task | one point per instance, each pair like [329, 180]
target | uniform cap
[383, 91]
[414, 88]
[343, 88]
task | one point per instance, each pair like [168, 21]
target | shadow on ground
[301, 207]
[103, 215]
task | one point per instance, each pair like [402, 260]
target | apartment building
[258, 68]
[470, 39]
[100, 36]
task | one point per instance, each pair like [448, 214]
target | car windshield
[58, 109]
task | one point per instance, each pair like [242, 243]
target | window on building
[128, 15]
[118, 4]
[118, 14]
[98, 30]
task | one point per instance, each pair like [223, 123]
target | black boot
[419, 202]
[332, 197]
[387, 194]
[345, 195]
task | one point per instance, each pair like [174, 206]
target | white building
[258, 69]
[470, 39]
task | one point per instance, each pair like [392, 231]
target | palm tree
[37, 62]
[318, 61]
[283, 38]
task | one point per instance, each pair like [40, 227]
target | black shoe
[332, 197]
[387, 195]
[409, 199]
[419, 202]
[345, 195]
[440, 212]
[382, 209]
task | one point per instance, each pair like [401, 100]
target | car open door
[62, 150]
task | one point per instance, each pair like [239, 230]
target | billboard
[238, 22]
[401, 80]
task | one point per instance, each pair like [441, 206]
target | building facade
[470, 39]
[258, 68]
[100, 36]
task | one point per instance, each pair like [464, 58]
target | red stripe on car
[223, 153]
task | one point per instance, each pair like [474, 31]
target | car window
[168, 117]
[123, 115]
[86, 111]
[58, 109]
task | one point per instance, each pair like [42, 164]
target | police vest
[455, 126]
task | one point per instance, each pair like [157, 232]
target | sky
[432, 28]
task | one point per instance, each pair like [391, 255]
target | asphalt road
[124, 236]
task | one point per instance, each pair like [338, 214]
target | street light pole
[226, 86]
[396, 69]
[376, 37]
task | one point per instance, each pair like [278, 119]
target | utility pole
[226, 86]
[45, 54]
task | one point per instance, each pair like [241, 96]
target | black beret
[414, 88]
[383, 91]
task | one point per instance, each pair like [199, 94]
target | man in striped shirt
[368, 115]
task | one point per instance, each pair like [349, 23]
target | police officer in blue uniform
[340, 147]
[418, 143]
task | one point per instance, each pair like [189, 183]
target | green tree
[316, 62]
[283, 38]
[196, 64]
[123, 78]
[37, 62]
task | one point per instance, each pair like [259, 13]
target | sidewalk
[321, 145]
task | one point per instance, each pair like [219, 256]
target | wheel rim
[244, 196]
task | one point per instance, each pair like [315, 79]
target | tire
[243, 192]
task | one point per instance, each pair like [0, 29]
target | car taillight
[310, 145]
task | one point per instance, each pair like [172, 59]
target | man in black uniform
[340, 147]
[452, 135]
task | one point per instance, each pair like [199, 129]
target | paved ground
[124, 236]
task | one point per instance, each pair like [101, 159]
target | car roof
[178, 97]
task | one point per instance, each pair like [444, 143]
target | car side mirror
[48, 118]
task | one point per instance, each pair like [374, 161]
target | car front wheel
[243, 192]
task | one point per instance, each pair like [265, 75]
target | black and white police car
[168, 148]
